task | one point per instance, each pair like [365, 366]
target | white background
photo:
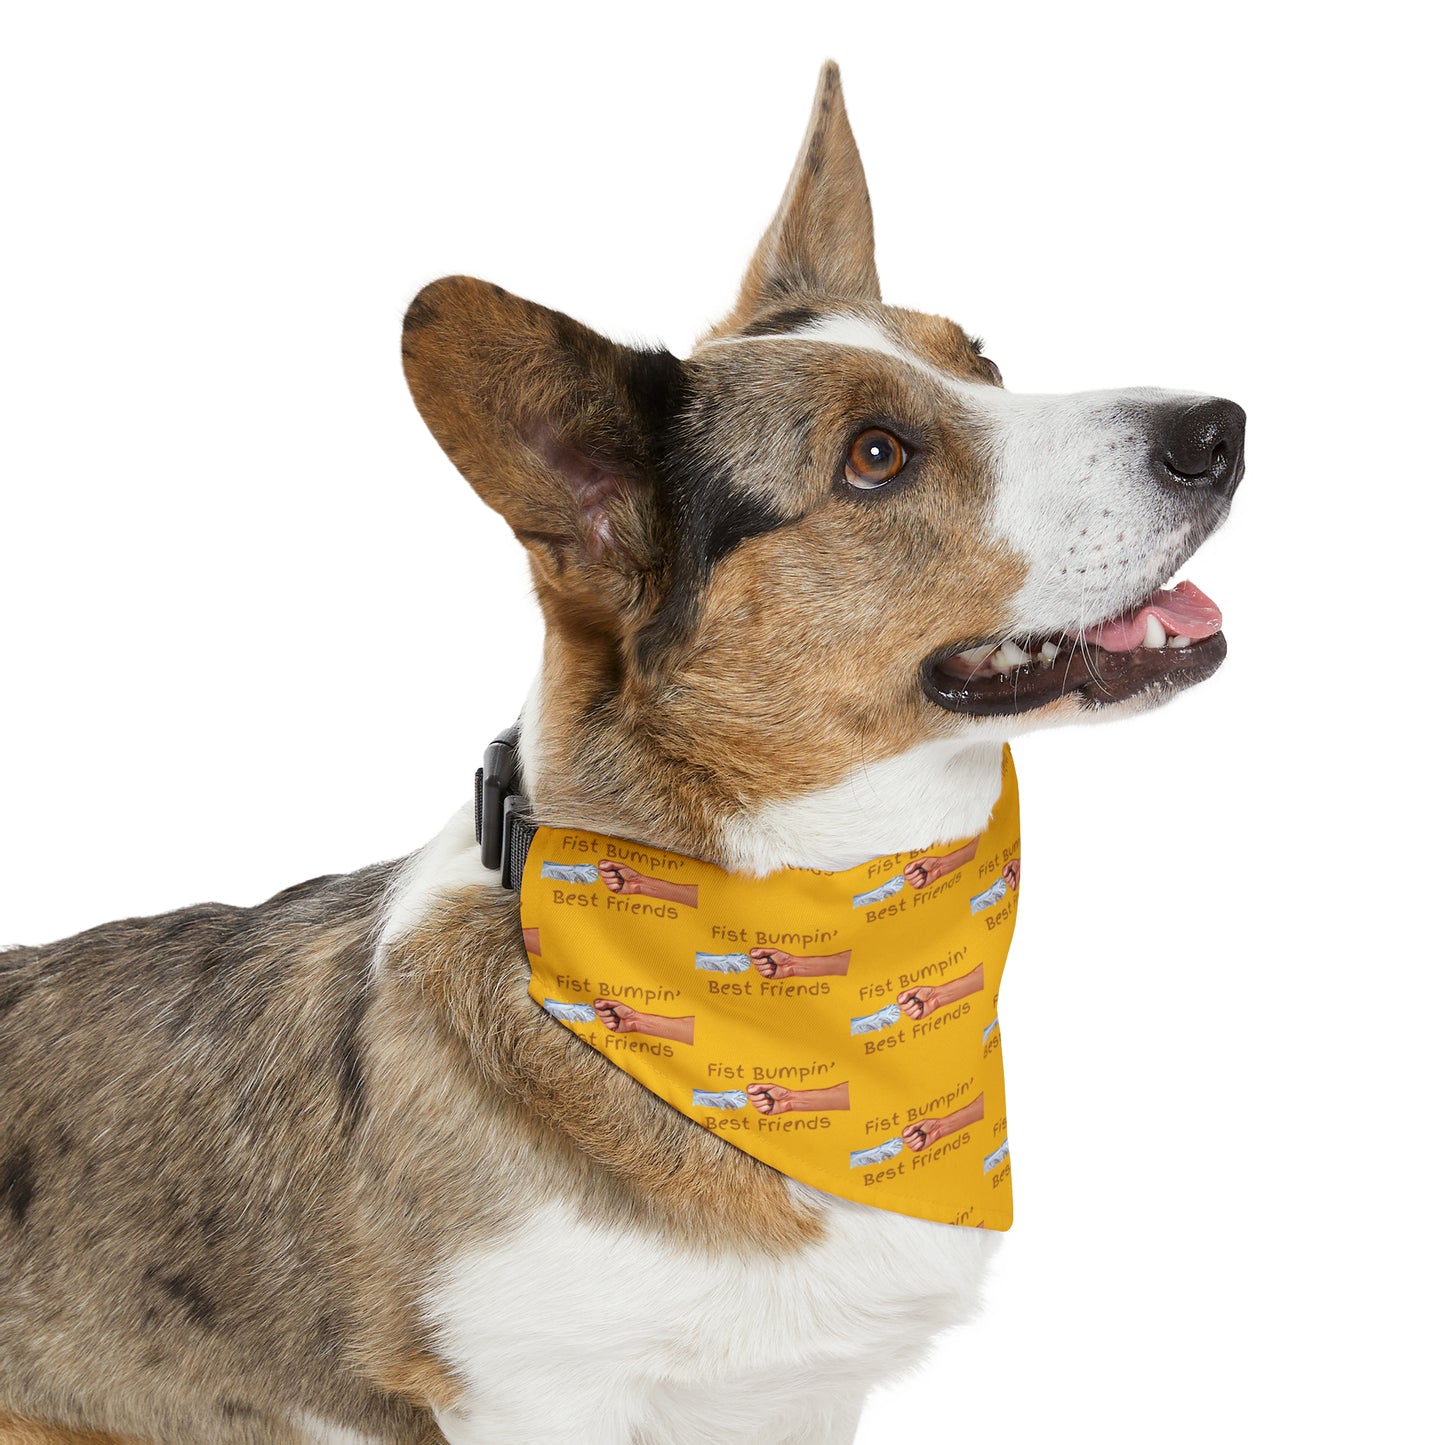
[255, 628]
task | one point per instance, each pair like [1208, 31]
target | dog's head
[829, 535]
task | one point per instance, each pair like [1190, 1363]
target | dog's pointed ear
[556, 427]
[820, 243]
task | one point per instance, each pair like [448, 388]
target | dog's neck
[610, 777]
[585, 770]
[935, 792]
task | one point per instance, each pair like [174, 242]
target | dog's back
[178, 1093]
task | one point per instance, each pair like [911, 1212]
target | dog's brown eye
[875, 457]
[995, 375]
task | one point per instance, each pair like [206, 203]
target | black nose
[1201, 444]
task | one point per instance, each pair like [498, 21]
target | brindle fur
[186, 1097]
[232, 1145]
[14, 1431]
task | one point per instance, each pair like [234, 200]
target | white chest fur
[570, 1331]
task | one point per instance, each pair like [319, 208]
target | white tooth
[996, 662]
[1180, 641]
[1154, 634]
[1049, 651]
[1012, 655]
[976, 655]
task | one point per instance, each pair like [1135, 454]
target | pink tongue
[1185, 611]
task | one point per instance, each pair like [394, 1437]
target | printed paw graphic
[919, 1002]
[619, 877]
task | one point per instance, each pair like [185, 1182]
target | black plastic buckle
[503, 833]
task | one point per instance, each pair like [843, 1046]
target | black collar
[504, 831]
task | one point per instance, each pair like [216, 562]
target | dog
[320, 1170]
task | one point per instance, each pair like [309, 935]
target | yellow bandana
[841, 1027]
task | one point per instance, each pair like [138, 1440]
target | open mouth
[1169, 641]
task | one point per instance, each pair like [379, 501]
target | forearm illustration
[776, 963]
[924, 999]
[779, 1099]
[925, 1133]
[924, 872]
[622, 1018]
[622, 879]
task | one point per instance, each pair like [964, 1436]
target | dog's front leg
[558, 1416]
[562, 1416]
[833, 1424]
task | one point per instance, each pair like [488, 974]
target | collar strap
[504, 831]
